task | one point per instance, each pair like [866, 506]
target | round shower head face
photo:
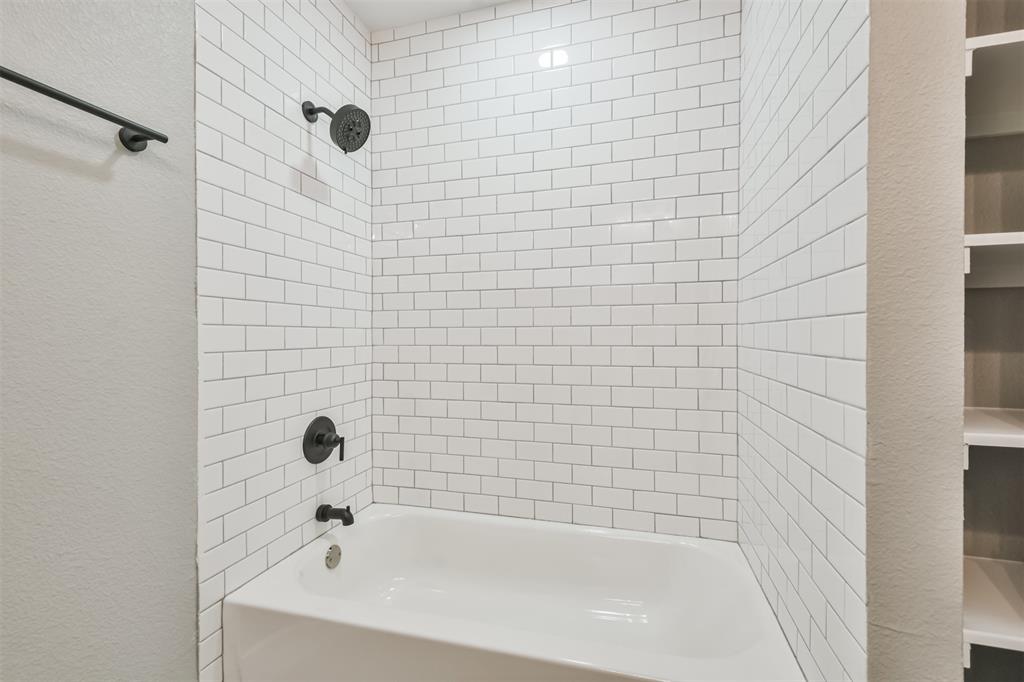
[350, 128]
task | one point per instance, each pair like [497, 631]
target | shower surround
[284, 286]
[555, 263]
[526, 294]
[802, 303]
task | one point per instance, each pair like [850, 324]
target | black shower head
[350, 128]
[350, 125]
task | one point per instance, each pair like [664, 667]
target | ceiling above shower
[378, 14]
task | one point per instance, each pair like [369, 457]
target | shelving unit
[994, 315]
[994, 603]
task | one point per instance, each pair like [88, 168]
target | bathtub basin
[423, 594]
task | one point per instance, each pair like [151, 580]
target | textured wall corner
[915, 340]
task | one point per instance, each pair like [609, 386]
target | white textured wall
[284, 285]
[98, 395]
[554, 263]
[802, 302]
[915, 339]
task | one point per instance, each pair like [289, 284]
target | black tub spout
[326, 512]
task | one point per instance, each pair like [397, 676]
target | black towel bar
[132, 135]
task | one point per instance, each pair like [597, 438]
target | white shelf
[994, 427]
[994, 603]
[995, 89]
[993, 238]
[990, 40]
[994, 259]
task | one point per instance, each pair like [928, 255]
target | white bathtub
[431, 595]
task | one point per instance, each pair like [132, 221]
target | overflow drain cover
[333, 556]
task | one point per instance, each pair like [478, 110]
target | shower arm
[311, 112]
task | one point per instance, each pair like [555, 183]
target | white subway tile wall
[554, 263]
[802, 298]
[283, 284]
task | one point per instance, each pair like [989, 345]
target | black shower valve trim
[320, 439]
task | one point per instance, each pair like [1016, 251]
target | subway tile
[800, 416]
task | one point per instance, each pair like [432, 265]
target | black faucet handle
[328, 439]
